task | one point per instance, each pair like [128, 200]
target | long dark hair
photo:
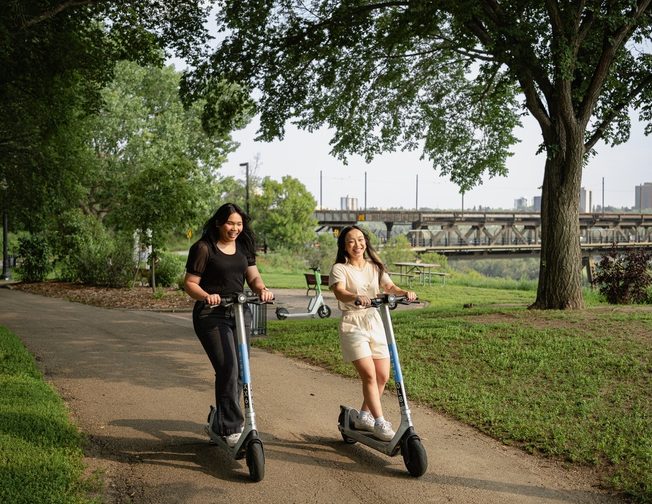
[246, 239]
[369, 250]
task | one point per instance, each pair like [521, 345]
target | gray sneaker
[383, 431]
[363, 421]
[232, 439]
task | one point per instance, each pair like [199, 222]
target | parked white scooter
[316, 305]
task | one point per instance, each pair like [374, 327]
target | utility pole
[321, 206]
[602, 194]
[246, 166]
[416, 202]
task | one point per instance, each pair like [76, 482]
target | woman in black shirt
[218, 264]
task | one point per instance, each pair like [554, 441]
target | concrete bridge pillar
[389, 226]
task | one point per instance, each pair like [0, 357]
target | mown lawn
[576, 386]
[40, 451]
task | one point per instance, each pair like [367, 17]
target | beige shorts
[362, 335]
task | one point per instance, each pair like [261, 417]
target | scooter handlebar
[389, 299]
[241, 298]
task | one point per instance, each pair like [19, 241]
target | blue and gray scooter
[405, 440]
[249, 445]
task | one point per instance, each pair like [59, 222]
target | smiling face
[355, 245]
[230, 230]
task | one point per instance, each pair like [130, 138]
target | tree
[55, 57]
[152, 168]
[283, 214]
[451, 78]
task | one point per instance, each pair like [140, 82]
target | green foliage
[91, 254]
[625, 278]
[169, 269]
[55, 57]
[516, 269]
[434, 258]
[397, 249]
[35, 257]
[322, 254]
[42, 459]
[283, 214]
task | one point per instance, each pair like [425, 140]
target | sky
[392, 178]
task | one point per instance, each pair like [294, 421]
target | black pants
[215, 328]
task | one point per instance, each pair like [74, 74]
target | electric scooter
[249, 445]
[405, 440]
[316, 305]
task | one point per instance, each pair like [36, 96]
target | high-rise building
[536, 203]
[348, 203]
[585, 200]
[520, 204]
[643, 196]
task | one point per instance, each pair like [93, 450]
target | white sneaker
[363, 421]
[232, 439]
[383, 431]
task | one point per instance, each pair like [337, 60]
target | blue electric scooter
[249, 445]
[405, 440]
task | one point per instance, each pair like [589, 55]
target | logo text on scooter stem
[246, 392]
[399, 393]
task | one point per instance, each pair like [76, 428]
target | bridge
[463, 234]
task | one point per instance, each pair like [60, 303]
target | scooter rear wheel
[324, 311]
[256, 460]
[346, 438]
[282, 313]
[414, 456]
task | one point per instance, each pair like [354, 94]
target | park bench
[407, 277]
[311, 281]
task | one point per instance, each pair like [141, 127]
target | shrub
[35, 260]
[397, 249]
[624, 278]
[169, 269]
[93, 255]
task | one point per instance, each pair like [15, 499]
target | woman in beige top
[357, 276]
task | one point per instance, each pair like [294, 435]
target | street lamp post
[5, 231]
[246, 167]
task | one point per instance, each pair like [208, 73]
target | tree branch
[57, 9]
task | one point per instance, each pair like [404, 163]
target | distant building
[643, 196]
[348, 203]
[585, 200]
[536, 203]
[520, 204]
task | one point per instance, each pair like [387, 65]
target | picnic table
[422, 272]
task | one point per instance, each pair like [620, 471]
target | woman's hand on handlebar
[411, 295]
[213, 299]
[266, 295]
[361, 300]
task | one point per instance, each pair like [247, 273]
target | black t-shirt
[220, 273]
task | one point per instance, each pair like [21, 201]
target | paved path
[139, 385]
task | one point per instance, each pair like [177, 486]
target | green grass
[572, 385]
[40, 451]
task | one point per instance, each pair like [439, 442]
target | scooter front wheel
[282, 313]
[414, 456]
[256, 460]
[324, 311]
[346, 438]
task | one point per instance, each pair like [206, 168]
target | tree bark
[560, 270]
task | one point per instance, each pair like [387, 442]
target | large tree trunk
[560, 271]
